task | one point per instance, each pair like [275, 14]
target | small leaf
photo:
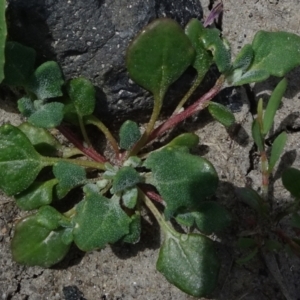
[247, 258]
[221, 113]
[49, 115]
[19, 63]
[134, 234]
[295, 221]
[211, 217]
[35, 245]
[189, 262]
[69, 176]
[277, 149]
[189, 140]
[99, 221]
[291, 181]
[130, 197]
[46, 82]
[257, 135]
[251, 198]
[41, 139]
[26, 107]
[83, 95]
[19, 162]
[159, 55]
[273, 245]
[126, 178]
[182, 179]
[203, 60]
[244, 58]
[129, 134]
[251, 76]
[273, 105]
[245, 243]
[38, 194]
[275, 52]
[185, 218]
[50, 218]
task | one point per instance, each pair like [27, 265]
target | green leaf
[185, 218]
[189, 140]
[295, 221]
[19, 63]
[159, 55]
[41, 139]
[99, 221]
[291, 181]
[69, 176]
[189, 262]
[257, 135]
[244, 58]
[134, 234]
[38, 194]
[250, 76]
[211, 217]
[245, 243]
[273, 105]
[252, 198]
[203, 60]
[126, 178]
[275, 52]
[46, 81]
[221, 113]
[129, 134]
[35, 245]
[130, 197]
[19, 162]
[247, 258]
[277, 149]
[49, 115]
[83, 95]
[273, 245]
[182, 179]
[26, 107]
[3, 32]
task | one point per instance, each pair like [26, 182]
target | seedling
[172, 183]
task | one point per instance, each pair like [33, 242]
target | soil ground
[128, 272]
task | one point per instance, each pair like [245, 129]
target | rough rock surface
[126, 273]
[89, 38]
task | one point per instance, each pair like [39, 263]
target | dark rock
[89, 38]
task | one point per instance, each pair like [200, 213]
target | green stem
[83, 163]
[188, 94]
[96, 122]
[70, 213]
[265, 174]
[83, 132]
[155, 114]
[160, 219]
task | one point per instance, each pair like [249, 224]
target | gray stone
[89, 38]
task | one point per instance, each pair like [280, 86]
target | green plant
[39, 171]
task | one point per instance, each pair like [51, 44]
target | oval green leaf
[19, 162]
[83, 95]
[277, 149]
[129, 134]
[190, 263]
[99, 221]
[291, 181]
[46, 81]
[35, 245]
[189, 140]
[182, 179]
[159, 55]
[221, 113]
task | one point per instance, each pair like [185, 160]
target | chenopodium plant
[267, 218]
[115, 188]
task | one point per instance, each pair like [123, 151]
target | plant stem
[194, 108]
[79, 162]
[160, 219]
[188, 94]
[90, 152]
[265, 175]
[83, 132]
[96, 122]
[155, 113]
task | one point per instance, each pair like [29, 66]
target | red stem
[151, 194]
[73, 138]
[188, 112]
